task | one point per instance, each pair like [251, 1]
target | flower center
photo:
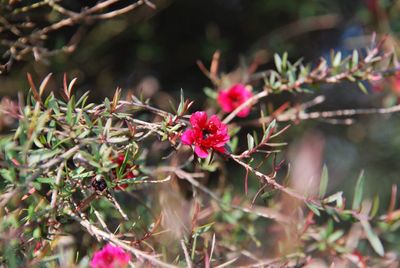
[235, 99]
[206, 133]
[109, 259]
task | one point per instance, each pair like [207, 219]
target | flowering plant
[219, 185]
[233, 98]
[110, 257]
[206, 134]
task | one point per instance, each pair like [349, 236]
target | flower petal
[244, 112]
[233, 97]
[188, 137]
[224, 101]
[110, 256]
[220, 149]
[201, 152]
[199, 119]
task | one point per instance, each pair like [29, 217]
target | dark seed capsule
[99, 184]
[71, 164]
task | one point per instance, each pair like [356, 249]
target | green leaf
[87, 120]
[233, 143]
[70, 110]
[175, 128]
[84, 134]
[354, 59]
[335, 236]
[270, 128]
[250, 142]
[268, 194]
[37, 233]
[172, 105]
[211, 93]
[121, 169]
[329, 228]
[272, 79]
[61, 142]
[51, 103]
[284, 60]
[373, 238]
[336, 197]
[82, 100]
[255, 137]
[40, 155]
[10, 256]
[202, 229]
[358, 192]
[375, 206]
[278, 62]
[181, 104]
[45, 180]
[107, 127]
[337, 59]
[362, 87]
[323, 185]
[8, 174]
[313, 208]
[291, 76]
[107, 104]
[31, 211]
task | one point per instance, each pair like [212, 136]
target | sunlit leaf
[373, 238]
[358, 192]
[323, 186]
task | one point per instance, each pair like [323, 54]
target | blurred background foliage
[155, 51]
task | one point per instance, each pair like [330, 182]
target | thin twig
[186, 253]
[110, 237]
[53, 202]
[269, 180]
[118, 12]
[190, 177]
[102, 222]
[248, 102]
[66, 155]
[301, 115]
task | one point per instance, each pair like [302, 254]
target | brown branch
[299, 114]
[29, 43]
[118, 12]
[248, 102]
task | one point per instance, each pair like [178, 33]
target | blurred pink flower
[373, 6]
[233, 97]
[119, 160]
[395, 81]
[110, 257]
[206, 134]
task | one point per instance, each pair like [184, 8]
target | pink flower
[233, 97]
[110, 257]
[395, 80]
[206, 135]
[119, 160]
